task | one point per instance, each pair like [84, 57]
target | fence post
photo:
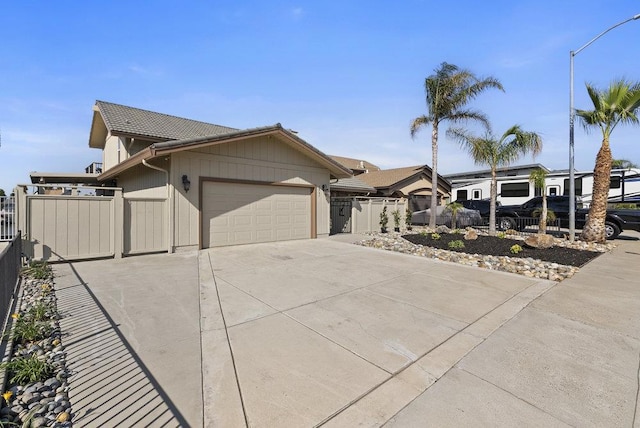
[118, 224]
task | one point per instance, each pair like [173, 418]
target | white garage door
[234, 213]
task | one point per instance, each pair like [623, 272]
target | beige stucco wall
[110, 152]
[266, 159]
[423, 186]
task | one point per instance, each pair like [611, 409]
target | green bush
[25, 370]
[515, 249]
[28, 329]
[37, 270]
[435, 236]
[456, 245]
[501, 235]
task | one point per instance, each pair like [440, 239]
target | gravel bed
[43, 403]
[520, 264]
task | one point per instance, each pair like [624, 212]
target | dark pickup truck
[520, 216]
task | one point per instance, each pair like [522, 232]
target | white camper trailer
[517, 189]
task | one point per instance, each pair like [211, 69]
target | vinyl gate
[340, 216]
[7, 218]
[80, 225]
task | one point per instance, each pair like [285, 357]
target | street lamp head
[636, 16]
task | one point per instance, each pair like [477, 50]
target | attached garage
[236, 213]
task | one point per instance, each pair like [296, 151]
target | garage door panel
[234, 213]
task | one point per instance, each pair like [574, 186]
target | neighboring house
[358, 166]
[188, 184]
[413, 183]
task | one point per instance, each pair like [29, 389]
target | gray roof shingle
[160, 126]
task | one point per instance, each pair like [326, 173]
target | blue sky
[348, 76]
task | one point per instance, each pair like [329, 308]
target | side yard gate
[74, 226]
[362, 214]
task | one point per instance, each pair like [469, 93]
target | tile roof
[352, 184]
[356, 164]
[135, 121]
[389, 177]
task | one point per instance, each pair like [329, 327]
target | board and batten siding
[67, 227]
[145, 225]
[264, 159]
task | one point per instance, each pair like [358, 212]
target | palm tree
[447, 93]
[493, 152]
[615, 105]
[454, 207]
[623, 164]
[539, 177]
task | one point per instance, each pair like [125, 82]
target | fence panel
[145, 225]
[10, 258]
[8, 218]
[70, 227]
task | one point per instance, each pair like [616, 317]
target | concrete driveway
[316, 332]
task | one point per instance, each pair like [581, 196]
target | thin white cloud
[297, 13]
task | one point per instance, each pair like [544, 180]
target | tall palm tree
[618, 104]
[496, 152]
[447, 92]
[539, 179]
[623, 164]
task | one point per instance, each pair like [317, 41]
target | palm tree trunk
[434, 175]
[594, 229]
[493, 195]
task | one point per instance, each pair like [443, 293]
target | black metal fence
[523, 225]
[10, 263]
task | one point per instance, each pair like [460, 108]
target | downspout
[169, 202]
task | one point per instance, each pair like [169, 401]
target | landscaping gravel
[556, 263]
[43, 403]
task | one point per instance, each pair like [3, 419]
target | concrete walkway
[320, 332]
[131, 333]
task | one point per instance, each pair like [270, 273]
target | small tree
[407, 217]
[539, 178]
[396, 219]
[496, 152]
[2, 192]
[384, 220]
[454, 207]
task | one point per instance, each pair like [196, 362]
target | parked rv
[517, 189]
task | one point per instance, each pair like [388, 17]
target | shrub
[396, 218]
[407, 217]
[25, 370]
[435, 236]
[423, 233]
[37, 270]
[501, 235]
[28, 329]
[456, 245]
[515, 249]
[384, 218]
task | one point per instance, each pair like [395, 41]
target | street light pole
[572, 117]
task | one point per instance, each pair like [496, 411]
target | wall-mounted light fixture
[325, 187]
[186, 183]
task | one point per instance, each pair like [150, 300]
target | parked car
[464, 217]
[617, 220]
[480, 205]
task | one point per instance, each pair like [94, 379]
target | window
[514, 190]
[477, 194]
[615, 182]
[537, 191]
[553, 191]
[461, 195]
[578, 185]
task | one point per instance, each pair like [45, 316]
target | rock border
[531, 268]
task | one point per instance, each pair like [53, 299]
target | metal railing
[8, 218]
[10, 263]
